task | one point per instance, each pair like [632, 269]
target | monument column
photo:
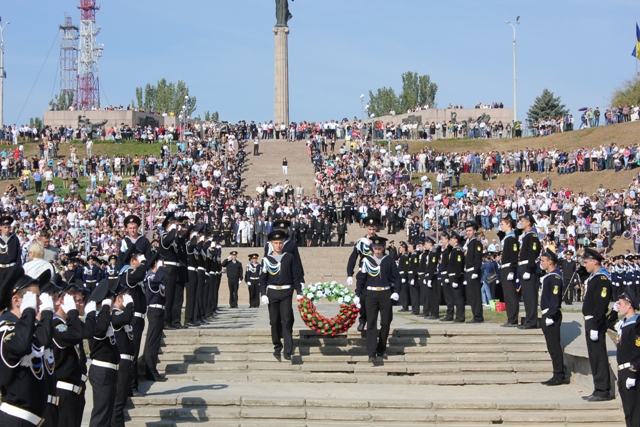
[281, 81]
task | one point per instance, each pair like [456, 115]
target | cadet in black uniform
[508, 272]
[360, 250]
[594, 310]
[10, 252]
[379, 280]
[252, 279]
[192, 309]
[529, 250]
[628, 356]
[568, 267]
[472, 266]
[234, 277]
[416, 277]
[455, 273]
[91, 273]
[290, 245]
[155, 316]
[280, 275]
[341, 230]
[169, 251]
[550, 304]
[404, 265]
[24, 394]
[133, 238]
[112, 272]
[445, 283]
[105, 357]
[432, 294]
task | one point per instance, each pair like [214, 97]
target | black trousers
[458, 298]
[447, 291]
[207, 281]
[529, 289]
[199, 309]
[281, 319]
[155, 319]
[170, 282]
[215, 289]
[7, 420]
[202, 294]
[233, 292]
[405, 295]
[433, 298]
[378, 302]
[138, 329]
[254, 294]
[630, 399]
[423, 295]
[511, 297]
[599, 363]
[341, 239]
[125, 375]
[414, 292]
[51, 416]
[70, 408]
[104, 382]
[474, 296]
[191, 310]
[554, 345]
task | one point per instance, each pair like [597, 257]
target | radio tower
[90, 52]
[69, 61]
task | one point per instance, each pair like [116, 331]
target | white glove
[429, 283]
[349, 281]
[548, 321]
[46, 302]
[90, 307]
[248, 283]
[160, 263]
[229, 258]
[464, 283]
[593, 335]
[68, 303]
[265, 299]
[526, 276]
[404, 281]
[454, 285]
[123, 246]
[201, 239]
[366, 241]
[142, 258]
[301, 286]
[299, 297]
[395, 296]
[29, 300]
[171, 227]
[356, 300]
[127, 299]
[631, 382]
[412, 282]
[510, 277]
[474, 276]
[446, 280]
[106, 302]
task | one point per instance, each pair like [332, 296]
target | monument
[281, 63]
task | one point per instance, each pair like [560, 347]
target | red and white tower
[90, 52]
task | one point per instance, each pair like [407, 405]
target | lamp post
[362, 106]
[372, 128]
[2, 72]
[515, 79]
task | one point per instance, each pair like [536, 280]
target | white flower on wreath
[346, 299]
[340, 300]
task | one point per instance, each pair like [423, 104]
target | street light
[2, 72]
[372, 130]
[362, 106]
[515, 80]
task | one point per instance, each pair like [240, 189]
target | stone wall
[440, 115]
[128, 117]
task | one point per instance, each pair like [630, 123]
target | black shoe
[587, 397]
[372, 359]
[458, 320]
[526, 327]
[416, 314]
[382, 356]
[431, 317]
[170, 327]
[556, 381]
[595, 398]
[276, 354]
[446, 319]
[135, 393]
[509, 325]
[475, 321]
[287, 356]
[403, 310]
[360, 327]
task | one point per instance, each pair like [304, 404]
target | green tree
[627, 94]
[62, 101]
[417, 90]
[207, 116]
[215, 116]
[409, 95]
[166, 97]
[139, 96]
[37, 122]
[547, 105]
[383, 102]
[426, 91]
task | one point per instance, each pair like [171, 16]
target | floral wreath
[349, 308]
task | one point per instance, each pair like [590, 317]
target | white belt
[69, 387]
[202, 268]
[7, 265]
[102, 364]
[506, 265]
[175, 264]
[469, 269]
[52, 400]
[588, 317]
[192, 269]
[279, 288]
[83, 378]
[90, 281]
[624, 366]
[140, 315]
[378, 288]
[545, 311]
[520, 263]
[21, 413]
[160, 306]
[126, 357]
[410, 272]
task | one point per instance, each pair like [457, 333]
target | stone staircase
[438, 374]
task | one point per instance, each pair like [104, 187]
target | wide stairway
[435, 374]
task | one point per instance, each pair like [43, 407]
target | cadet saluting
[379, 280]
[594, 308]
[550, 302]
[529, 251]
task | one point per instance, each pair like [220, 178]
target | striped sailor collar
[629, 321]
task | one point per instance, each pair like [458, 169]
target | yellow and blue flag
[636, 49]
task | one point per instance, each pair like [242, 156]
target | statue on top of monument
[282, 13]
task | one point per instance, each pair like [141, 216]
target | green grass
[133, 148]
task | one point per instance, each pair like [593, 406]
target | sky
[338, 50]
